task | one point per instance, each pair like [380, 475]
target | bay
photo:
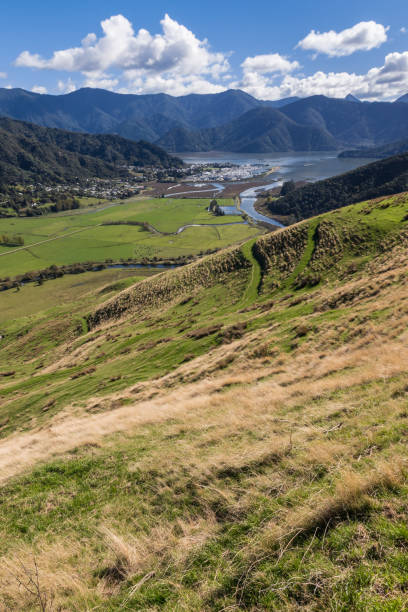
[298, 166]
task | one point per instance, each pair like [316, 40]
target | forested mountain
[261, 130]
[32, 152]
[380, 178]
[132, 116]
[311, 124]
[200, 122]
[387, 150]
[350, 123]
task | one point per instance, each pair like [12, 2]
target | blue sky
[271, 49]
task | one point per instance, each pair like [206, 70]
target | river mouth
[308, 166]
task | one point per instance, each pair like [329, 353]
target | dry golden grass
[304, 375]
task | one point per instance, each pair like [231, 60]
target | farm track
[29, 246]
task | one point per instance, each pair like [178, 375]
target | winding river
[248, 199]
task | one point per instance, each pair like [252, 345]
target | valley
[204, 307]
[116, 233]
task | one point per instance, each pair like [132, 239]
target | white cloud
[261, 71]
[99, 80]
[3, 75]
[362, 36]
[139, 84]
[386, 82]
[175, 58]
[176, 62]
[268, 64]
[403, 30]
[39, 89]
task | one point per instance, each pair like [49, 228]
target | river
[302, 166]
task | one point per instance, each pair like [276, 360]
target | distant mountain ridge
[349, 123]
[30, 152]
[309, 124]
[146, 117]
[202, 122]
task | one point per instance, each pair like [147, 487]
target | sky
[269, 48]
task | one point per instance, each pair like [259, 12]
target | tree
[287, 187]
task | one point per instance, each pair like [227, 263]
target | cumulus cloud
[268, 64]
[39, 89]
[379, 83]
[260, 72]
[403, 30]
[100, 81]
[177, 62]
[3, 75]
[176, 55]
[362, 36]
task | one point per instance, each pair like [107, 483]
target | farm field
[86, 239]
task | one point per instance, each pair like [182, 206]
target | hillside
[227, 435]
[32, 153]
[380, 178]
[387, 150]
[261, 130]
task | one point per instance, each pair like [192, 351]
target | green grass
[33, 298]
[93, 242]
[251, 292]
[307, 254]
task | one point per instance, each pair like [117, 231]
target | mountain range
[311, 124]
[232, 120]
[32, 152]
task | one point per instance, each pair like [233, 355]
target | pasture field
[77, 290]
[86, 239]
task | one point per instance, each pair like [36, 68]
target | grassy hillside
[29, 152]
[227, 435]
